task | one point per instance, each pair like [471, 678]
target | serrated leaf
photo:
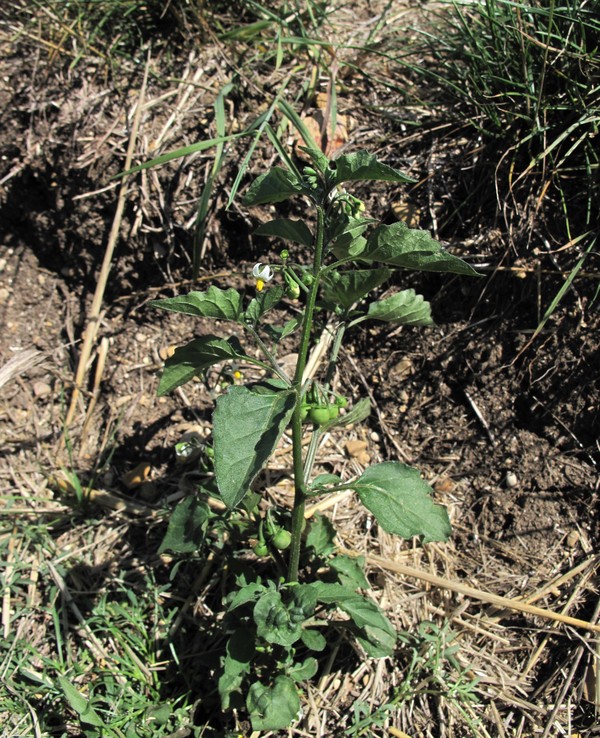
[350, 570]
[80, 704]
[214, 303]
[377, 634]
[408, 248]
[405, 308]
[313, 640]
[262, 303]
[289, 230]
[275, 185]
[346, 288]
[362, 166]
[306, 670]
[321, 536]
[196, 356]
[401, 502]
[273, 708]
[187, 526]
[246, 429]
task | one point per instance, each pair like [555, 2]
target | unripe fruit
[261, 548]
[282, 539]
[319, 415]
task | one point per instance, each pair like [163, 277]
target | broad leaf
[362, 166]
[406, 308]
[350, 571]
[405, 247]
[214, 303]
[313, 639]
[273, 708]
[331, 593]
[289, 230]
[318, 158]
[377, 635]
[346, 239]
[321, 536]
[187, 526]
[80, 704]
[236, 664]
[196, 356]
[246, 429]
[275, 185]
[274, 621]
[262, 303]
[401, 502]
[306, 670]
[247, 593]
[346, 288]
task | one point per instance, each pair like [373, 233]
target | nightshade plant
[275, 624]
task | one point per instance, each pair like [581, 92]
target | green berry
[319, 415]
[282, 539]
[261, 548]
[333, 411]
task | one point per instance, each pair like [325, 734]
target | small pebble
[41, 389]
[375, 436]
[139, 336]
[511, 480]
[2, 265]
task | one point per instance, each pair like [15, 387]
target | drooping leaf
[377, 635]
[401, 502]
[246, 429]
[406, 308]
[362, 166]
[275, 185]
[273, 708]
[187, 526]
[346, 288]
[80, 704]
[289, 230]
[408, 248]
[214, 303]
[247, 593]
[262, 303]
[196, 356]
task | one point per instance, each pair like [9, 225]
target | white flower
[262, 273]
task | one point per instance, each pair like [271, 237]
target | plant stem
[299, 481]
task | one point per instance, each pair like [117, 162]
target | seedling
[277, 623]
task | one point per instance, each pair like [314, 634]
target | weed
[275, 622]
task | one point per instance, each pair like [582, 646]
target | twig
[93, 320]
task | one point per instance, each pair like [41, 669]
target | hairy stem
[299, 480]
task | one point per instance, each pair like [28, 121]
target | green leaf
[214, 303]
[306, 670]
[196, 356]
[273, 708]
[187, 526]
[313, 640]
[346, 238]
[321, 483]
[80, 704]
[346, 288]
[350, 571]
[377, 634]
[318, 158]
[275, 185]
[274, 622]
[321, 536]
[362, 166]
[262, 303]
[236, 664]
[246, 429]
[401, 502]
[360, 411]
[405, 247]
[331, 593]
[247, 593]
[289, 230]
[406, 308]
